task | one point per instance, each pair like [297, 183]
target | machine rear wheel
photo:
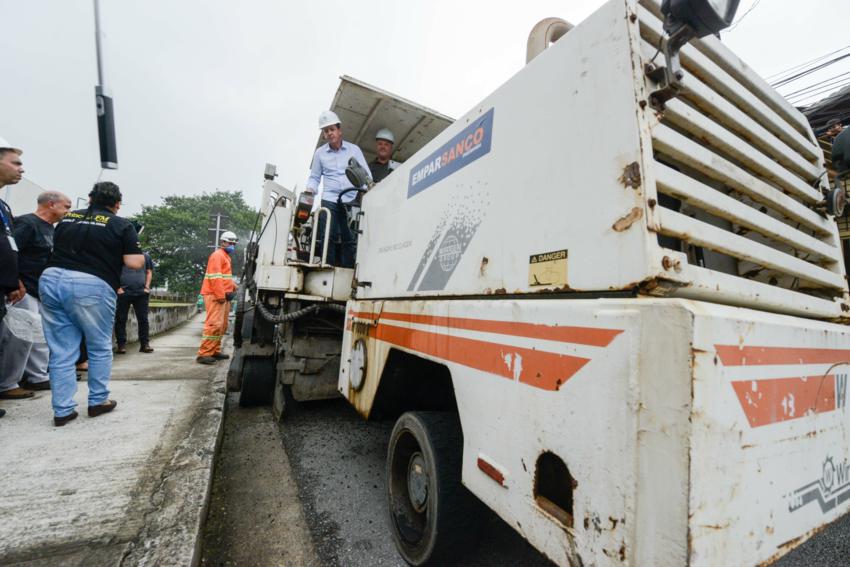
[430, 511]
[258, 377]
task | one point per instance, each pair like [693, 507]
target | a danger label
[548, 268]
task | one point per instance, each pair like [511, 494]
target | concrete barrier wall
[161, 319]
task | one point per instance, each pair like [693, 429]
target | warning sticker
[549, 268]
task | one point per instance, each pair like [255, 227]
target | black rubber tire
[258, 376]
[439, 532]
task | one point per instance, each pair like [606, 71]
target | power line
[824, 90]
[818, 84]
[801, 65]
[747, 13]
[809, 71]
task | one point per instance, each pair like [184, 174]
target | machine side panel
[584, 380]
[770, 456]
[537, 188]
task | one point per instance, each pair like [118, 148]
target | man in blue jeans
[329, 163]
[78, 294]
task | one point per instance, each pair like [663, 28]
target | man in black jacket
[11, 171]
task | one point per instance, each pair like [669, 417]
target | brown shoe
[35, 386]
[60, 421]
[103, 408]
[205, 360]
[221, 356]
[15, 394]
[145, 348]
[120, 349]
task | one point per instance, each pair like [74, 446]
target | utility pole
[103, 102]
[217, 228]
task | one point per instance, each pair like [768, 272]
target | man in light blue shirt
[329, 163]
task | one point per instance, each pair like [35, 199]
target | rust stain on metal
[652, 203]
[628, 220]
[563, 517]
[500, 291]
[623, 552]
[491, 471]
[484, 262]
[631, 175]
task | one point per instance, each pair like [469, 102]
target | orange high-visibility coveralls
[217, 282]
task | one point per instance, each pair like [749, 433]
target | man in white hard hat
[329, 163]
[217, 290]
[11, 287]
[383, 164]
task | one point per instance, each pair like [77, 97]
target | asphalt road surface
[338, 463]
[311, 492]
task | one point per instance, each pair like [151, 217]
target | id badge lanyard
[7, 226]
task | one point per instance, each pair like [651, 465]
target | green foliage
[177, 235]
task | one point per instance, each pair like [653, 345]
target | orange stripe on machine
[735, 355]
[590, 336]
[536, 368]
[539, 369]
[775, 400]
[781, 399]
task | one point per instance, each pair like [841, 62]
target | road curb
[173, 529]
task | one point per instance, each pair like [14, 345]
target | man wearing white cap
[329, 163]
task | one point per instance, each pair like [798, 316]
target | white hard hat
[4, 145]
[385, 134]
[328, 118]
[228, 236]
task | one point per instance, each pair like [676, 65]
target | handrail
[328, 220]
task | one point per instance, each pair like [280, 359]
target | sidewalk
[129, 487]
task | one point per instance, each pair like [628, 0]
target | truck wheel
[430, 510]
[258, 376]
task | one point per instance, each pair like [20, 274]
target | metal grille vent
[738, 175]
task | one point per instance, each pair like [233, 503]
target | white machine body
[654, 296]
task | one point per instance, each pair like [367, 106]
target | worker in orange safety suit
[217, 290]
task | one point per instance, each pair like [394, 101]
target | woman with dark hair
[78, 294]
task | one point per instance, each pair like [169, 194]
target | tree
[177, 235]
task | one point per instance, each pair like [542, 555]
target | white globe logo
[449, 253]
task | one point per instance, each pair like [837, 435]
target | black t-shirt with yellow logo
[94, 242]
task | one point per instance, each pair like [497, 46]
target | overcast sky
[207, 91]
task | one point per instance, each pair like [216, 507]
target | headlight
[705, 17]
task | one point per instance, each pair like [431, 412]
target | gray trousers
[21, 359]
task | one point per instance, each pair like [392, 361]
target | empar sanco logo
[449, 253]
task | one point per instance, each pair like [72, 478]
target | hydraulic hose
[286, 317]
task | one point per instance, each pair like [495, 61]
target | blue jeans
[74, 305]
